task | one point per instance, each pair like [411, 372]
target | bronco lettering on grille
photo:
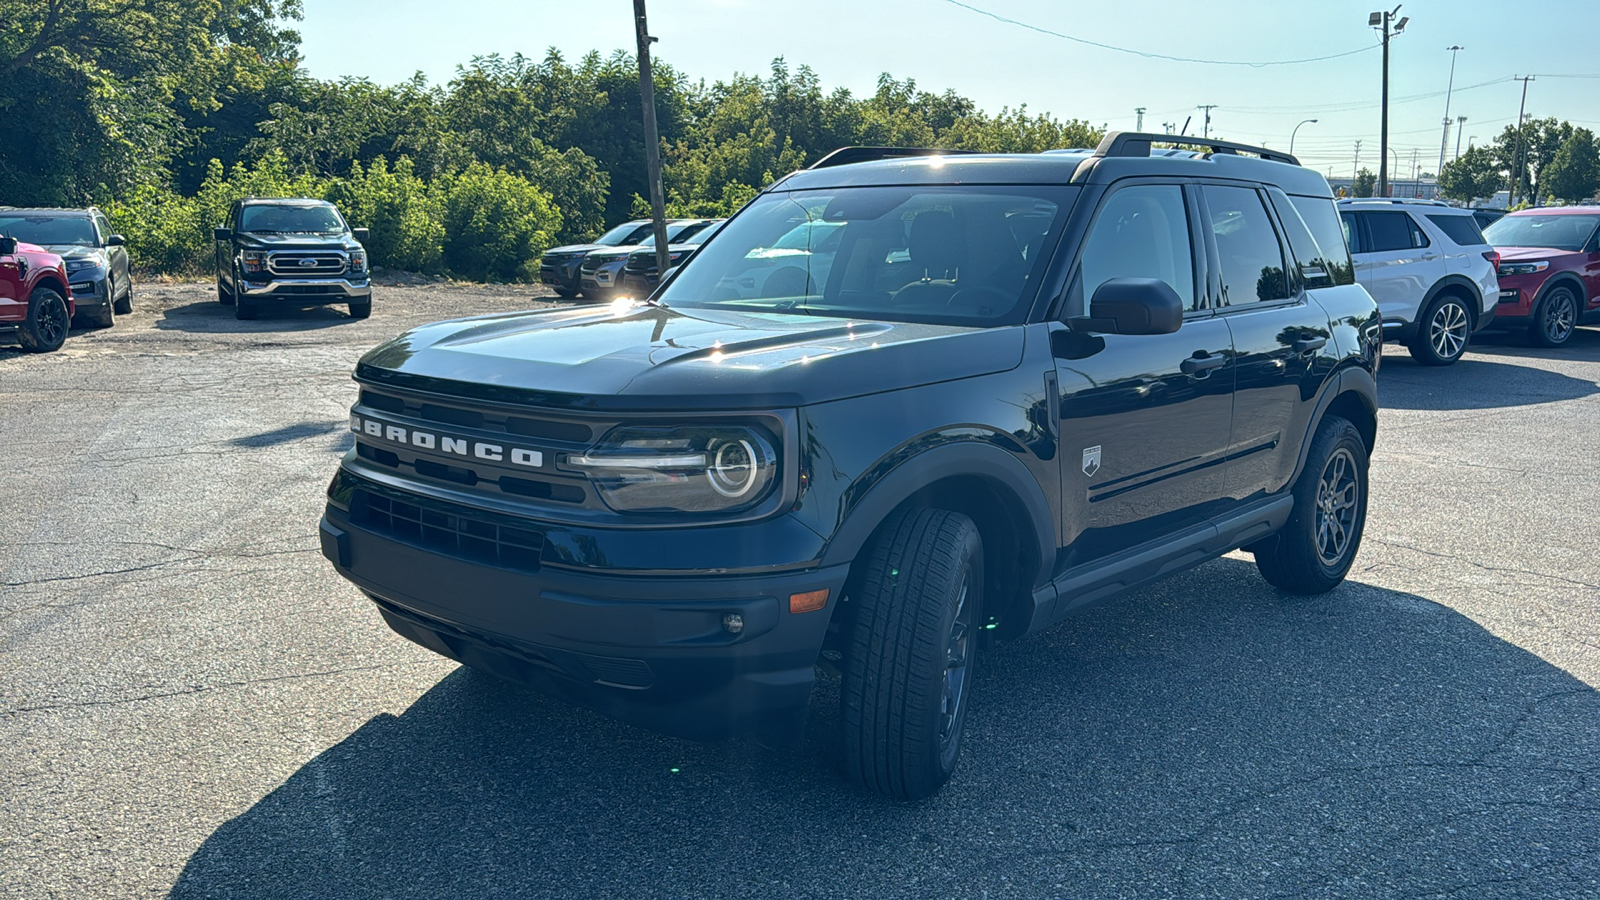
[425, 440]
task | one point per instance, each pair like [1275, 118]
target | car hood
[1509, 254]
[653, 357]
[73, 251]
[256, 241]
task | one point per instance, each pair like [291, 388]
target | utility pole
[1355, 167]
[1140, 125]
[1382, 20]
[1208, 108]
[652, 141]
[1522, 166]
[1445, 141]
[1461, 123]
[1168, 126]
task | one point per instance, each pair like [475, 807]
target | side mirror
[116, 240]
[1134, 306]
[222, 234]
[8, 245]
[362, 235]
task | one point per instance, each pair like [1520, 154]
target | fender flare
[972, 458]
[1349, 380]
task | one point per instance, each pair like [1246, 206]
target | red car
[1549, 271]
[35, 303]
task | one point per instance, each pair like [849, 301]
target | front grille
[639, 265]
[593, 263]
[307, 262]
[527, 426]
[312, 289]
[449, 529]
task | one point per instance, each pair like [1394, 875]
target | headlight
[1524, 268]
[254, 260]
[78, 265]
[358, 260]
[700, 469]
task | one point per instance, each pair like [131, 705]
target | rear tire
[1316, 547]
[45, 329]
[1443, 331]
[360, 310]
[912, 654]
[1555, 318]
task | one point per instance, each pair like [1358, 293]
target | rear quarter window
[1461, 229]
[1320, 216]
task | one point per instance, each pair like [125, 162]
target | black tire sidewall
[1290, 560]
[1536, 330]
[45, 301]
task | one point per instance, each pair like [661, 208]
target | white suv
[1429, 268]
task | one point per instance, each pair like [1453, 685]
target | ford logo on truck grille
[308, 263]
[444, 444]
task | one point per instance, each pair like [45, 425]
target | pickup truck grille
[307, 262]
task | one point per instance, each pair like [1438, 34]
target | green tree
[496, 224]
[1574, 173]
[1475, 175]
[1365, 183]
[1541, 140]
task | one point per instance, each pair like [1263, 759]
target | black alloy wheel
[1555, 318]
[47, 324]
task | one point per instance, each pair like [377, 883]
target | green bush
[496, 224]
[403, 213]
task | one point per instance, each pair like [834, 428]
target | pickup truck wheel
[244, 310]
[45, 329]
[911, 658]
[1443, 332]
[125, 305]
[224, 297]
[1319, 542]
[1555, 318]
[360, 310]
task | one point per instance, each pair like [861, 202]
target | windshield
[937, 254]
[704, 234]
[674, 231]
[1559, 232]
[46, 230]
[622, 235]
[291, 220]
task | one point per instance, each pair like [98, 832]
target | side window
[101, 226]
[1247, 246]
[1140, 232]
[1388, 231]
[1419, 238]
[1461, 229]
[1352, 232]
[1332, 236]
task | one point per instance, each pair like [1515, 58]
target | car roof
[59, 211]
[284, 201]
[1431, 207]
[1557, 211]
[1120, 155]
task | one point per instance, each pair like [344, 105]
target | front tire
[124, 306]
[45, 329]
[1315, 548]
[911, 657]
[360, 309]
[243, 310]
[1442, 332]
[225, 297]
[1555, 318]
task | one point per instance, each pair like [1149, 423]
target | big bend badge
[1091, 460]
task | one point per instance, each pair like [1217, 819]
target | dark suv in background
[291, 252]
[601, 276]
[96, 259]
[640, 274]
[558, 267]
[1018, 385]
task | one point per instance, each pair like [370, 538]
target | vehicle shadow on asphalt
[211, 317]
[1209, 736]
[1480, 380]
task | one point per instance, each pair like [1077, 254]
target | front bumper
[561, 274]
[650, 650]
[307, 290]
[90, 292]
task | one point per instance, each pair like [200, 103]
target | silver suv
[1429, 268]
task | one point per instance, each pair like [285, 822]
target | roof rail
[1412, 200]
[847, 155]
[1135, 143]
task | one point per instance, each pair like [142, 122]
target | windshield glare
[46, 230]
[290, 220]
[627, 233]
[1558, 232]
[936, 253]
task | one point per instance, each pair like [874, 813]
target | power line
[1147, 55]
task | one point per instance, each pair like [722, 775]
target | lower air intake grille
[448, 532]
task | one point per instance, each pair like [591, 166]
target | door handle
[1306, 345]
[1195, 365]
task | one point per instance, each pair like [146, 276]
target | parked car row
[1439, 277]
[623, 260]
[94, 257]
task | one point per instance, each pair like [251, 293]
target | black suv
[295, 252]
[96, 258]
[558, 267]
[1017, 385]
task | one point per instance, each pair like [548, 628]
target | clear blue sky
[941, 45]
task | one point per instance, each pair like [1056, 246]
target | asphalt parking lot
[193, 705]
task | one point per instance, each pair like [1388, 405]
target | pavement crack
[201, 689]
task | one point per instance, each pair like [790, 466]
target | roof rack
[1135, 143]
[847, 155]
[1413, 200]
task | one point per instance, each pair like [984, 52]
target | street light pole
[1382, 20]
[1445, 141]
[1296, 130]
[652, 141]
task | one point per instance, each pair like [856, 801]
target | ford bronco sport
[1018, 385]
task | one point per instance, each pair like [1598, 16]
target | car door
[1277, 332]
[1145, 419]
[1397, 263]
